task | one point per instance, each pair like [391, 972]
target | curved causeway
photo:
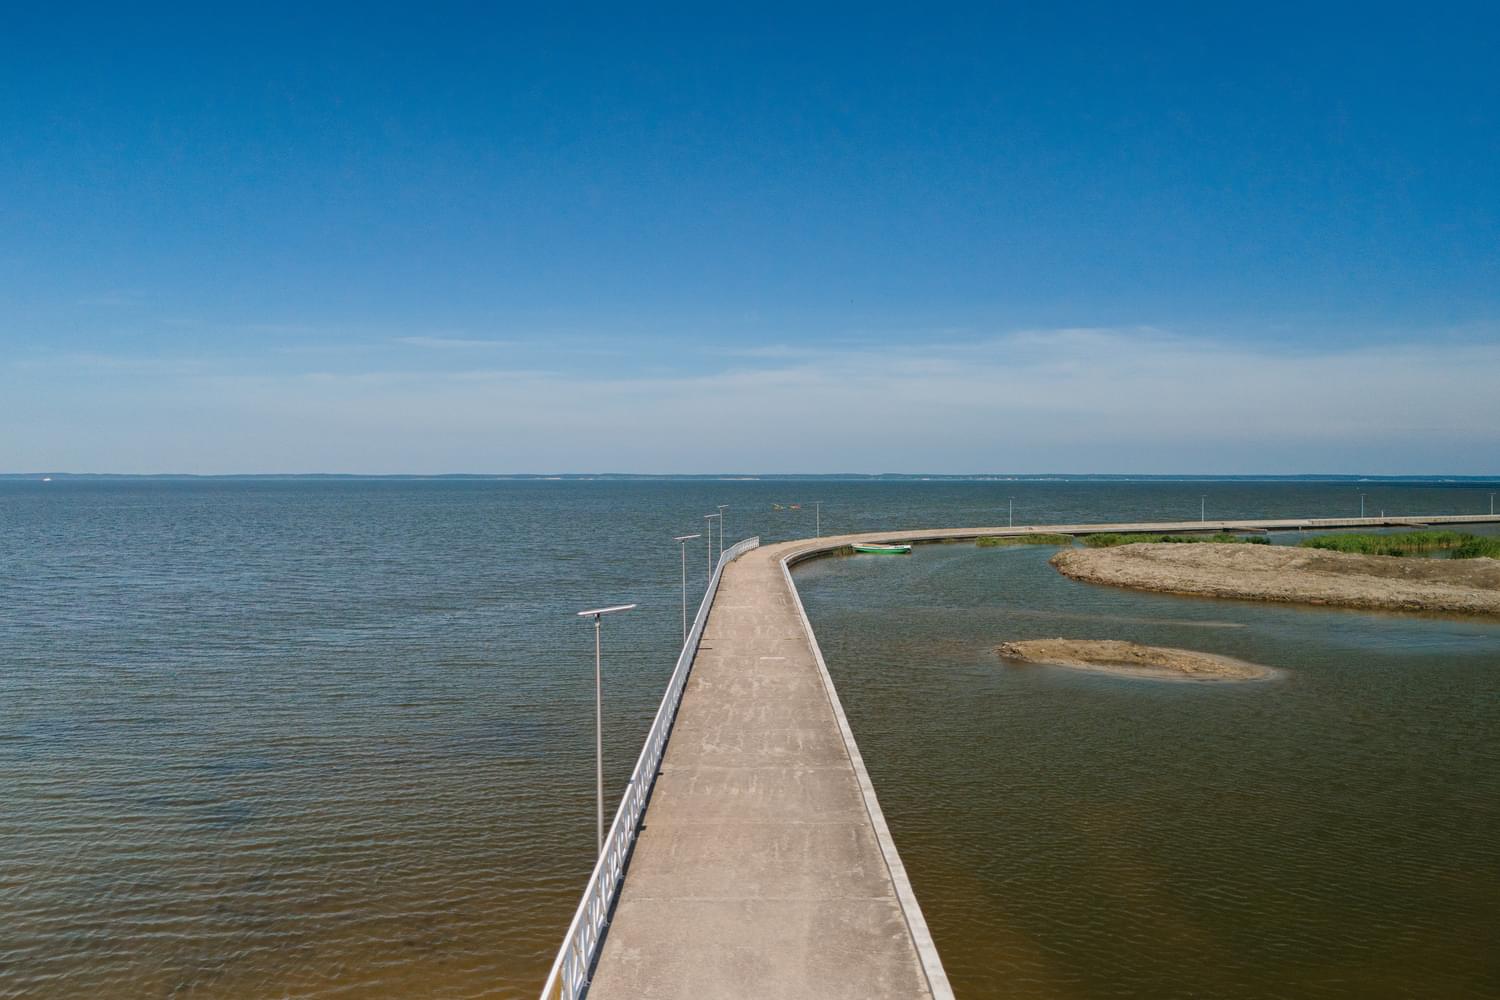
[763, 866]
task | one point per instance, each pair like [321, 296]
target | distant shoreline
[894, 477]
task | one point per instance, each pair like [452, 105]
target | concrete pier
[764, 867]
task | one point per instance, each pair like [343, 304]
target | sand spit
[1133, 659]
[1296, 575]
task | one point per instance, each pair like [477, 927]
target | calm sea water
[1334, 832]
[323, 739]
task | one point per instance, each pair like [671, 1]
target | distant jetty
[1294, 575]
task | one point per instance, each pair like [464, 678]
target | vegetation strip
[1458, 544]
[1109, 540]
[1041, 538]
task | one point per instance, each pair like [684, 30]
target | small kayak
[874, 549]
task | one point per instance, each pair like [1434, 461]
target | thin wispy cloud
[1131, 400]
[453, 343]
[326, 349]
[93, 362]
[117, 299]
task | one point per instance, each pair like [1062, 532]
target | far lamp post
[1202, 509]
[1361, 505]
[598, 614]
[710, 529]
[722, 508]
[683, 540]
[1012, 512]
[818, 515]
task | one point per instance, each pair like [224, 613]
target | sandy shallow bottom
[1132, 659]
[1295, 575]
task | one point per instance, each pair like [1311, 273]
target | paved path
[764, 868]
[760, 871]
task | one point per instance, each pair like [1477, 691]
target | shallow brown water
[1330, 833]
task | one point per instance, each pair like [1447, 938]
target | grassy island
[1458, 544]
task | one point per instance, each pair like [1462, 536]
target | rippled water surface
[319, 739]
[1331, 833]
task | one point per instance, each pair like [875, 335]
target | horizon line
[762, 476]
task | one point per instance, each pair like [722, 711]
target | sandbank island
[1133, 659]
[1294, 574]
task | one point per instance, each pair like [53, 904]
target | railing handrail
[569, 977]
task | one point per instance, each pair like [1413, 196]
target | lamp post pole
[1492, 503]
[710, 530]
[722, 508]
[683, 540]
[1202, 509]
[1012, 512]
[818, 515]
[598, 614]
[1361, 505]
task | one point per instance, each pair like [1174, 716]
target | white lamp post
[710, 529]
[683, 540]
[818, 516]
[1012, 512]
[722, 508]
[597, 614]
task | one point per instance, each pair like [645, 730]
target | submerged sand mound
[1133, 659]
[1300, 575]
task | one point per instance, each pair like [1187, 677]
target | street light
[597, 614]
[818, 516]
[710, 530]
[1492, 503]
[722, 508]
[1361, 505]
[683, 540]
[1203, 509]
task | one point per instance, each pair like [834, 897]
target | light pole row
[598, 615]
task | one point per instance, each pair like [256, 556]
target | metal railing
[569, 978]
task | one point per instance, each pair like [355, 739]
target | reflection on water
[1329, 833]
[324, 739]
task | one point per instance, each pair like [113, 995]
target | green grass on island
[1110, 539]
[993, 541]
[1457, 544]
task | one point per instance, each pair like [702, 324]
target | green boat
[876, 549]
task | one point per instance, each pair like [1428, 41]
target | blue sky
[460, 238]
